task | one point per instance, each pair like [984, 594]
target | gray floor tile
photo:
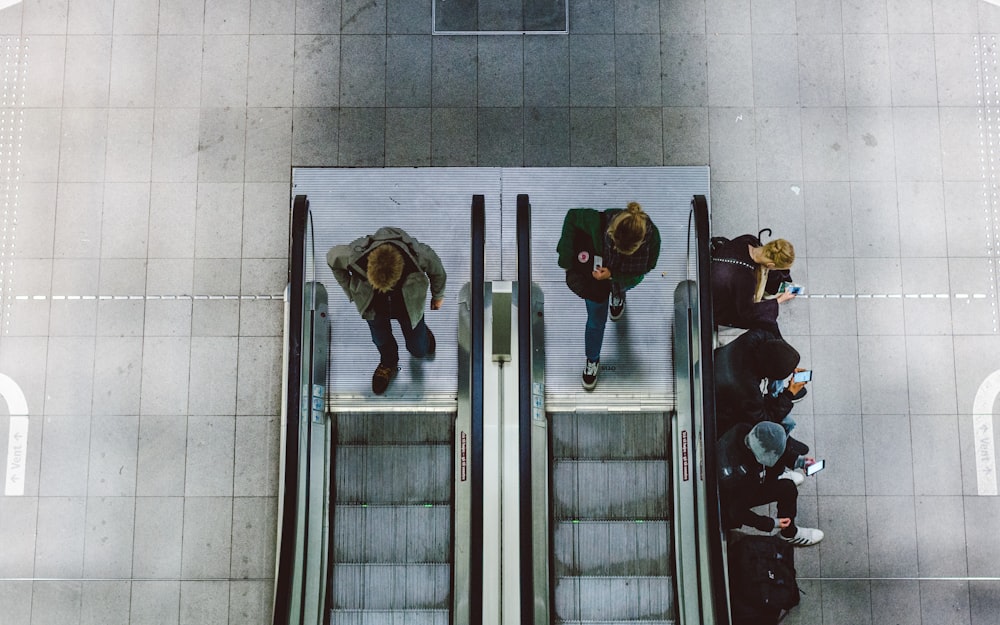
[120, 318]
[40, 145]
[816, 16]
[43, 85]
[546, 137]
[546, 71]
[272, 16]
[935, 441]
[207, 542]
[169, 276]
[215, 318]
[847, 601]
[204, 602]
[892, 537]
[165, 375]
[883, 381]
[839, 440]
[30, 317]
[640, 137]
[453, 136]
[10, 21]
[684, 64]
[408, 17]
[224, 71]
[887, 444]
[19, 517]
[972, 309]
[810, 609]
[682, 16]
[591, 16]
[154, 602]
[408, 71]
[175, 145]
[922, 209]
[732, 143]
[874, 220]
[730, 70]
[773, 17]
[930, 373]
[832, 316]
[362, 70]
[181, 17]
[317, 70]
[253, 551]
[727, 17]
[945, 601]
[113, 456]
[895, 600]
[316, 16]
[73, 277]
[685, 135]
[637, 16]
[117, 375]
[959, 16]
[925, 314]
[29, 354]
[136, 18]
[827, 209]
[980, 524]
[268, 144]
[83, 146]
[940, 540]
[217, 276]
[500, 137]
[362, 137]
[734, 208]
[261, 318]
[984, 599]
[591, 66]
[59, 537]
[866, 62]
[105, 602]
[870, 143]
[179, 70]
[69, 377]
[125, 220]
[109, 534]
[172, 219]
[824, 144]
[249, 601]
[776, 70]
[500, 71]
[55, 601]
[910, 16]
[637, 70]
[315, 136]
[840, 393]
[966, 228]
[161, 441]
[258, 389]
[917, 143]
[90, 17]
[989, 18]
[88, 70]
[270, 70]
[454, 73]
[218, 222]
[212, 392]
[130, 145]
[265, 229]
[593, 140]
[159, 524]
[912, 70]
[959, 131]
[256, 439]
[779, 144]
[844, 550]
[959, 64]
[210, 449]
[821, 70]
[227, 17]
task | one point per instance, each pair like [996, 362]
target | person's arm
[338, 259]
[430, 263]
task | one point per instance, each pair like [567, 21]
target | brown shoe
[383, 375]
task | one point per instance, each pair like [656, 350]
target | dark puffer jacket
[740, 367]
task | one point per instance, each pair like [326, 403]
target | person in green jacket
[605, 253]
[387, 275]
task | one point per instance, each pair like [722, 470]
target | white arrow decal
[982, 432]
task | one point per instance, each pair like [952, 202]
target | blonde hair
[781, 253]
[385, 267]
[628, 229]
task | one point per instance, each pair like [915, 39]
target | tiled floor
[146, 148]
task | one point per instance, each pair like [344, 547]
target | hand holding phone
[815, 467]
[805, 375]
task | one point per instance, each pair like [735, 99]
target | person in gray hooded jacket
[387, 275]
[752, 472]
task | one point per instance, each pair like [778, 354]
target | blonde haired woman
[743, 271]
[605, 253]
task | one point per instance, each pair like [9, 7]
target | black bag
[761, 580]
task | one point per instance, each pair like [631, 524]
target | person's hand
[784, 297]
[436, 304]
[784, 522]
[793, 386]
[602, 273]
[807, 461]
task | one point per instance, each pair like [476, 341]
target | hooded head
[767, 442]
[776, 359]
[385, 267]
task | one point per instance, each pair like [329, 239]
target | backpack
[761, 580]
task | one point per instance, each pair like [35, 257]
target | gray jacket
[343, 260]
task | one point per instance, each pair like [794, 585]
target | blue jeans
[418, 339]
[597, 319]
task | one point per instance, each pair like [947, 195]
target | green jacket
[343, 260]
[587, 221]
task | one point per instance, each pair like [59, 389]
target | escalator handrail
[286, 541]
[706, 347]
[524, 407]
[477, 323]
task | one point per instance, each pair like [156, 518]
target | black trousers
[783, 492]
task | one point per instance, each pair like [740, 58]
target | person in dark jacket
[757, 465]
[387, 275]
[741, 366]
[743, 271]
[605, 253]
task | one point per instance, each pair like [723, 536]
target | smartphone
[816, 467]
[598, 262]
[790, 287]
[802, 376]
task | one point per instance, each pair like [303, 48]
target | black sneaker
[431, 344]
[617, 306]
[383, 375]
[590, 374]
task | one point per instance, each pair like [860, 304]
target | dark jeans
[783, 492]
[418, 339]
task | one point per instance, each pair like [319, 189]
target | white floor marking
[17, 438]
[982, 433]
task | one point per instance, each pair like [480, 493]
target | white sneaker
[795, 476]
[804, 537]
[590, 371]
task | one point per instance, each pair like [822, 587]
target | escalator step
[619, 548]
[393, 474]
[392, 534]
[628, 489]
[391, 587]
[389, 617]
[600, 435]
[605, 599]
[388, 428]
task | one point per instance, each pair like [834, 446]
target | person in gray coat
[387, 275]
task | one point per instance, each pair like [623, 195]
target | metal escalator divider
[610, 509]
